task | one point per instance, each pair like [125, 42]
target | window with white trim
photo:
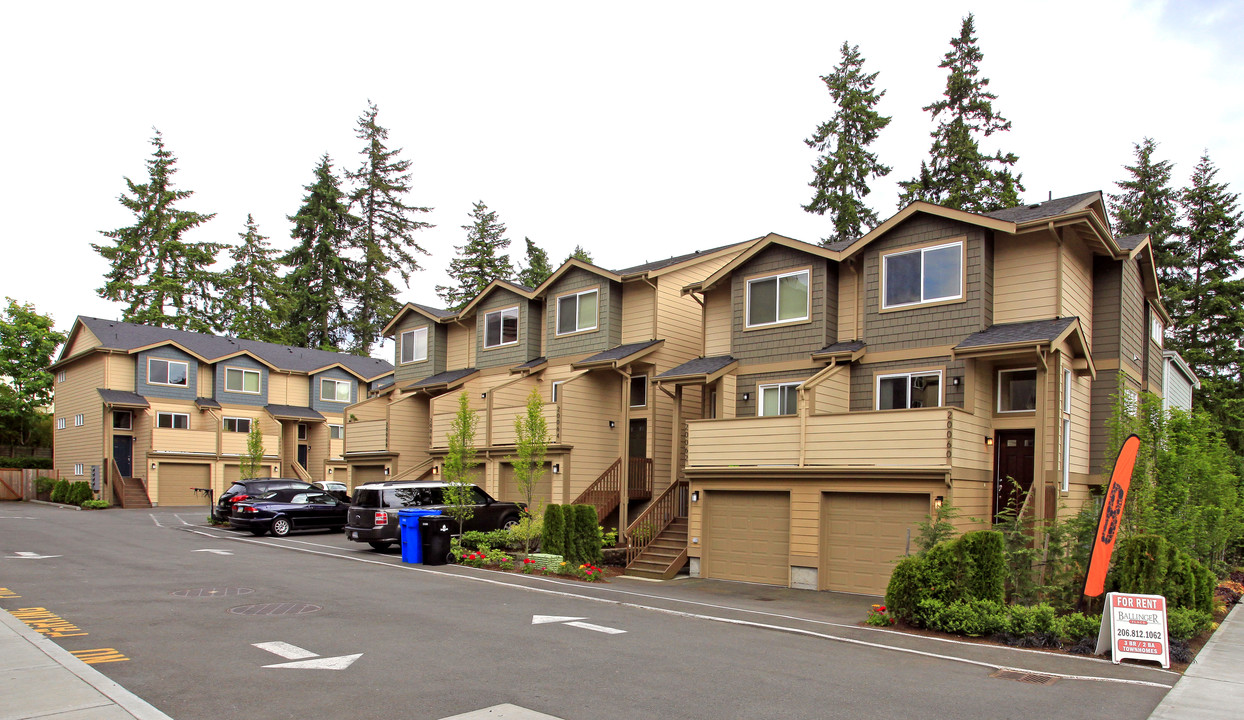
[1156, 329]
[778, 298]
[415, 345]
[167, 372]
[302, 431]
[173, 421]
[926, 275]
[79, 420]
[778, 399]
[336, 432]
[909, 390]
[60, 423]
[242, 380]
[557, 387]
[577, 312]
[78, 469]
[122, 420]
[60, 376]
[1017, 390]
[1067, 380]
[237, 424]
[501, 327]
[639, 391]
[334, 390]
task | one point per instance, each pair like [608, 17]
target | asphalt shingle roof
[442, 378]
[619, 352]
[699, 366]
[128, 336]
[1040, 211]
[1024, 332]
[207, 403]
[849, 346]
[122, 397]
[532, 364]
[293, 411]
[649, 267]
[1131, 241]
[436, 312]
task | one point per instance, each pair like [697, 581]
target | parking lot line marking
[154, 520]
[30, 556]
[213, 551]
[330, 663]
[699, 616]
[285, 650]
[542, 619]
[597, 628]
[182, 519]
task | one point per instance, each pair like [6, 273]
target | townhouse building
[148, 414]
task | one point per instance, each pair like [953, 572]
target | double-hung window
[1017, 390]
[415, 345]
[79, 420]
[501, 327]
[577, 312]
[237, 424]
[1155, 330]
[1066, 429]
[335, 432]
[167, 372]
[173, 421]
[242, 380]
[778, 298]
[779, 399]
[909, 390]
[60, 423]
[914, 277]
[334, 390]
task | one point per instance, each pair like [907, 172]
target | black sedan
[283, 511]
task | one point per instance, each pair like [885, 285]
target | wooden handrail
[603, 494]
[672, 504]
[117, 482]
[301, 472]
[640, 478]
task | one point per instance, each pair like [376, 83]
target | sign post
[1134, 626]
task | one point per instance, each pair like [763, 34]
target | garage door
[176, 479]
[747, 537]
[365, 474]
[863, 535]
[542, 492]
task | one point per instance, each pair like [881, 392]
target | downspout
[656, 302]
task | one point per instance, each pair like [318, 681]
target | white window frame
[408, 341]
[340, 431]
[941, 387]
[60, 376]
[174, 416]
[1003, 371]
[778, 320]
[303, 431]
[129, 420]
[1156, 329]
[79, 469]
[79, 420]
[336, 393]
[645, 385]
[60, 423]
[885, 259]
[1067, 379]
[183, 363]
[245, 372]
[557, 320]
[760, 398]
[556, 394]
[503, 312]
[224, 424]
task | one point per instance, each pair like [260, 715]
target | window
[167, 372]
[639, 391]
[415, 345]
[1155, 330]
[60, 376]
[1067, 391]
[302, 431]
[79, 420]
[1017, 390]
[711, 414]
[236, 424]
[240, 380]
[577, 313]
[777, 299]
[335, 432]
[122, 420]
[909, 390]
[922, 276]
[174, 421]
[501, 327]
[780, 399]
[78, 469]
[557, 387]
[334, 390]
[60, 423]
[1066, 454]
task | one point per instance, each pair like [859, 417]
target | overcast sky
[639, 130]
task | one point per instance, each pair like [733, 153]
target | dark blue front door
[123, 454]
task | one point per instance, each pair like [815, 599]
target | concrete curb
[55, 505]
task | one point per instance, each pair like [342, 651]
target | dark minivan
[243, 489]
[373, 513]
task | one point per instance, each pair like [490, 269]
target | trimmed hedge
[79, 492]
[1185, 624]
[1016, 624]
[59, 491]
[21, 463]
[587, 535]
[553, 538]
[1150, 565]
[971, 567]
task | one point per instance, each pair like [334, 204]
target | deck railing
[603, 493]
[671, 504]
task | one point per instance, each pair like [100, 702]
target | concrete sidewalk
[1213, 685]
[40, 679]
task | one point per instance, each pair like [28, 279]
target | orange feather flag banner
[1111, 515]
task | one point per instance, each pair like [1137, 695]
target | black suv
[243, 489]
[373, 513]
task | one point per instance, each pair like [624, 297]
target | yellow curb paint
[98, 655]
[42, 621]
[7, 594]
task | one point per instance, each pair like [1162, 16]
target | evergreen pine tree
[322, 278]
[480, 261]
[580, 254]
[385, 232]
[165, 280]
[537, 269]
[251, 299]
[957, 174]
[845, 165]
[1147, 204]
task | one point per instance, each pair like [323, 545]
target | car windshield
[235, 488]
[401, 497]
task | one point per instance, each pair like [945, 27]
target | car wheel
[281, 527]
[258, 531]
[509, 522]
[379, 545]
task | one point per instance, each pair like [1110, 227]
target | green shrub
[985, 551]
[44, 484]
[19, 463]
[1077, 626]
[59, 491]
[907, 587]
[79, 492]
[553, 539]
[476, 540]
[1025, 620]
[1186, 624]
[1149, 565]
[966, 617]
[972, 567]
[95, 504]
[587, 534]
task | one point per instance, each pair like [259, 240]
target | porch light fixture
[747, 396]
[695, 496]
[436, 469]
[153, 466]
[937, 502]
[988, 440]
[483, 396]
[330, 471]
[557, 468]
[386, 469]
[611, 424]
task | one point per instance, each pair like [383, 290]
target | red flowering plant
[588, 572]
[530, 567]
[879, 617]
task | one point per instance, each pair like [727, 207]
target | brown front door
[1013, 467]
[639, 438]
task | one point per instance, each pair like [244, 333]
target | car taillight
[382, 518]
[244, 509]
[239, 498]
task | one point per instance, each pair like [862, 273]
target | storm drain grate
[212, 592]
[1024, 677]
[276, 609]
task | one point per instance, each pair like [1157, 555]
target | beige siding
[589, 403]
[461, 344]
[1025, 278]
[1078, 285]
[1081, 415]
[717, 322]
[834, 394]
[729, 396]
[78, 395]
[120, 373]
[409, 431]
[206, 379]
[638, 305]
[278, 388]
[848, 303]
[373, 409]
[299, 393]
[680, 319]
[83, 341]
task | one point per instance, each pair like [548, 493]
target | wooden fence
[20, 484]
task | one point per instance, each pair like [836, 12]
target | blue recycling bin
[408, 526]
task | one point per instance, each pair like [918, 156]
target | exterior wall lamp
[937, 502]
[611, 424]
[695, 496]
[386, 470]
[436, 469]
[988, 440]
[747, 396]
[557, 468]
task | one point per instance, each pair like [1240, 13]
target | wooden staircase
[665, 556]
[604, 493]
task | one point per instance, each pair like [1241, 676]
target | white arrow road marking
[213, 550]
[542, 619]
[285, 650]
[573, 622]
[298, 655]
[15, 517]
[30, 556]
[597, 628]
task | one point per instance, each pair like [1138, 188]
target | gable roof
[660, 265]
[1049, 209]
[132, 338]
[433, 314]
[1177, 361]
[758, 245]
[566, 267]
[442, 381]
[847, 249]
[699, 370]
[619, 354]
[521, 290]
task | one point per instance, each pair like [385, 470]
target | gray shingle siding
[864, 383]
[189, 392]
[783, 342]
[528, 345]
[336, 374]
[411, 372]
[608, 331]
[235, 398]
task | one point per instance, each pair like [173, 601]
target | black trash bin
[435, 532]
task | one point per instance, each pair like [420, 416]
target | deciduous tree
[480, 261]
[531, 443]
[459, 492]
[27, 342]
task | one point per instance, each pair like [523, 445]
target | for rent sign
[1135, 626]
